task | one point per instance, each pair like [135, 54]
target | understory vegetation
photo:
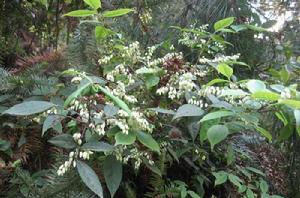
[147, 98]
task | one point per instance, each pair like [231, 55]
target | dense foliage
[132, 106]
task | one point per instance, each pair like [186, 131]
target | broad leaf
[217, 134]
[292, 103]
[256, 85]
[221, 177]
[188, 110]
[216, 81]
[250, 193]
[151, 81]
[29, 108]
[265, 133]
[102, 32]
[223, 23]
[64, 141]
[117, 13]
[81, 13]
[123, 139]
[77, 93]
[98, 146]
[216, 114]
[148, 141]
[89, 178]
[235, 180]
[263, 185]
[297, 118]
[110, 110]
[95, 4]
[225, 69]
[52, 121]
[112, 169]
[265, 95]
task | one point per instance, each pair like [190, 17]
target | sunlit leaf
[217, 134]
[223, 23]
[117, 13]
[81, 13]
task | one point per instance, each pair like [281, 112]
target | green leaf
[117, 100]
[52, 121]
[225, 69]
[292, 103]
[223, 23]
[265, 95]
[264, 187]
[265, 133]
[254, 170]
[4, 145]
[117, 13]
[102, 32]
[161, 110]
[98, 146]
[217, 134]
[193, 194]
[216, 114]
[95, 4]
[235, 180]
[64, 141]
[188, 110]
[112, 169]
[204, 128]
[250, 193]
[256, 28]
[221, 177]
[110, 110]
[29, 108]
[89, 178]
[216, 81]
[124, 139]
[81, 13]
[256, 85]
[297, 118]
[148, 141]
[151, 81]
[76, 94]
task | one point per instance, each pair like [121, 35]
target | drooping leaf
[221, 177]
[216, 81]
[95, 4]
[217, 134]
[225, 69]
[117, 13]
[52, 121]
[76, 94]
[89, 178]
[256, 85]
[112, 169]
[148, 141]
[188, 110]
[263, 185]
[102, 32]
[292, 103]
[125, 139]
[250, 193]
[265, 95]
[216, 114]
[193, 194]
[81, 13]
[64, 141]
[29, 108]
[223, 23]
[254, 170]
[265, 133]
[235, 180]
[98, 146]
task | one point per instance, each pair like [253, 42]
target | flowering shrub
[146, 107]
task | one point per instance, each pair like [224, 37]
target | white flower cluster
[199, 103]
[191, 39]
[186, 82]
[118, 70]
[85, 155]
[120, 91]
[210, 90]
[132, 51]
[77, 138]
[53, 110]
[137, 156]
[141, 121]
[121, 123]
[219, 59]
[173, 55]
[66, 166]
[286, 94]
[76, 79]
[105, 59]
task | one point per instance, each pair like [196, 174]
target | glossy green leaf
[102, 32]
[292, 103]
[148, 141]
[117, 13]
[217, 81]
[151, 81]
[95, 4]
[188, 110]
[223, 23]
[217, 134]
[216, 114]
[112, 169]
[265, 133]
[123, 139]
[265, 95]
[64, 141]
[225, 69]
[52, 121]
[235, 180]
[221, 177]
[98, 146]
[76, 94]
[29, 108]
[81, 13]
[250, 193]
[256, 85]
[89, 178]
